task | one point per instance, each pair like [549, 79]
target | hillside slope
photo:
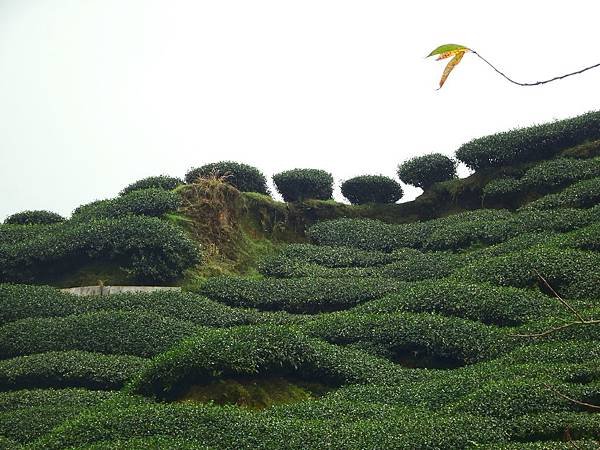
[469, 318]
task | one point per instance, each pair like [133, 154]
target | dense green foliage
[111, 332]
[371, 189]
[243, 177]
[69, 369]
[145, 202]
[482, 302]
[450, 233]
[424, 171]
[145, 247]
[38, 217]
[529, 144]
[583, 194]
[23, 301]
[257, 350]
[305, 295]
[164, 182]
[304, 184]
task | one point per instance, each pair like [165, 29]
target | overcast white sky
[95, 94]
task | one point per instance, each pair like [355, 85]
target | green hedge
[573, 273]
[152, 202]
[449, 233]
[413, 338]
[583, 194]
[424, 171]
[529, 144]
[68, 397]
[587, 238]
[164, 182]
[293, 254]
[256, 351]
[24, 301]
[553, 425]
[38, 217]
[69, 369]
[304, 184]
[303, 295]
[483, 302]
[560, 172]
[502, 187]
[411, 265]
[243, 177]
[147, 248]
[127, 333]
[371, 189]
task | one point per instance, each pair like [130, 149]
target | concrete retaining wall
[108, 290]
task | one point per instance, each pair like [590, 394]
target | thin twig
[558, 297]
[537, 83]
[572, 400]
[549, 331]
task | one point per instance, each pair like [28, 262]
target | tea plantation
[478, 328]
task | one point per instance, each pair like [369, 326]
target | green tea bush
[529, 144]
[587, 238]
[411, 265]
[364, 234]
[513, 398]
[147, 248]
[126, 333]
[243, 177]
[371, 189]
[557, 173]
[483, 302]
[145, 202]
[69, 369]
[256, 351]
[164, 182]
[304, 184]
[424, 171]
[573, 273]
[293, 254]
[456, 232]
[303, 295]
[25, 425]
[586, 150]
[38, 217]
[413, 335]
[24, 301]
[68, 397]
[583, 194]
[502, 187]
[552, 426]
[227, 428]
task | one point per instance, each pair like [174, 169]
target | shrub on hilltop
[304, 184]
[371, 189]
[164, 182]
[152, 202]
[37, 217]
[424, 171]
[529, 144]
[243, 177]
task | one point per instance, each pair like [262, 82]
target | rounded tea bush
[38, 217]
[303, 184]
[371, 189]
[243, 177]
[423, 171]
[158, 182]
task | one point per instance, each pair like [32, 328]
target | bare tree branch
[537, 83]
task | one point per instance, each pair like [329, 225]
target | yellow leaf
[458, 55]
